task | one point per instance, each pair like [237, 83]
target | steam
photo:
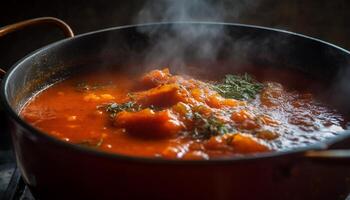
[193, 10]
[200, 42]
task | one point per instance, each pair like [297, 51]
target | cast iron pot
[57, 170]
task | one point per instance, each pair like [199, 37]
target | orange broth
[177, 117]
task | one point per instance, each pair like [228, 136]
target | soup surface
[178, 117]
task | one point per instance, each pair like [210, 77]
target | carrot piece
[198, 94]
[268, 121]
[241, 116]
[147, 123]
[161, 96]
[155, 78]
[245, 120]
[216, 143]
[216, 101]
[182, 109]
[243, 143]
[196, 155]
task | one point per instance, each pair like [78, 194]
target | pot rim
[95, 152]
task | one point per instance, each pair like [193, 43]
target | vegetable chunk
[247, 144]
[147, 123]
[161, 96]
[179, 116]
[155, 78]
[216, 101]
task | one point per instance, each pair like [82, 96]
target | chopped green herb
[115, 108]
[238, 87]
[207, 127]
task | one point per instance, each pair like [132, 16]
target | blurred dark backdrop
[325, 19]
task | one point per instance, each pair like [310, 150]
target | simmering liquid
[178, 117]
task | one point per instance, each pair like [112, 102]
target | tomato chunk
[161, 96]
[155, 78]
[245, 120]
[146, 123]
[217, 101]
[243, 143]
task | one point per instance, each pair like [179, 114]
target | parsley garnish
[207, 127]
[240, 87]
[114, 108]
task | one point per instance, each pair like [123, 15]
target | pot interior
[206, 50]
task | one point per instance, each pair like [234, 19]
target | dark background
[328, 20]
[325, 19]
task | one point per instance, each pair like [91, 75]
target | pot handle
[34, 22]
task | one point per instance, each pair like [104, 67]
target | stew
[178, 117]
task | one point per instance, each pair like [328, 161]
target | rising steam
[174, 48]
[193, 10]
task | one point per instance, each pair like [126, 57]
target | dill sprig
[114, 108]
[207, 127]
[240, 87]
